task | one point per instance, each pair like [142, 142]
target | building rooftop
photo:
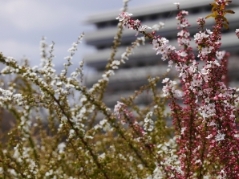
[153, 9]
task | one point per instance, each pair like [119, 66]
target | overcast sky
[24, 22]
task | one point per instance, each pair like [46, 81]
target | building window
[195, 10]
[140, 64]
[166, 14]
[101, 25]
[225, 31]
[126, 65]
[101, 47]
[114, 23]
[207, 8]
[154, 17]
[142, 18]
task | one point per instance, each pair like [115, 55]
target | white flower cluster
[124, 17]
[219, 136]
[158, 26]
[148, 122]
[183, 38]
[170, 89]
[103, 124]
[183, 22]
[202, 36]
[207, 110]
[107, 74]
[237, 32]
[220, 54]
[117, 109]
[23, 156]
[7, 95]
[160, 45]
[129, 50]
[206, 50]
[167, 151]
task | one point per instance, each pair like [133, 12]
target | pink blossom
[124, 16]
[220, 54]
[207, 101]
[237, 32]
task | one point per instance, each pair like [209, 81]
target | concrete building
[144, 62]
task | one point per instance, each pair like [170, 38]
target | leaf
[215, 15]
[210, 15]
[229, 11]
[214, 7]
[226, 26]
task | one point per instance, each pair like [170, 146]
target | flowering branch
[205, 125]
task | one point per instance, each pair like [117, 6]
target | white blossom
[148, 122]
[158, 26]
[219, 136]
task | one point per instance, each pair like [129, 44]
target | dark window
[140, 64]
[101, 47]
[114, 23]
[207, 8]
[195, 10]
[166, 14]
[126, 66]
[225, 31]
[101, 25]
[153, 17]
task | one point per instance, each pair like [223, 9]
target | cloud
[17, 49]
[34, 15]
[24, 22]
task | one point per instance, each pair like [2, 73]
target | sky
[24, 22]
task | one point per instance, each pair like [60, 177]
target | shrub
[64, 130]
